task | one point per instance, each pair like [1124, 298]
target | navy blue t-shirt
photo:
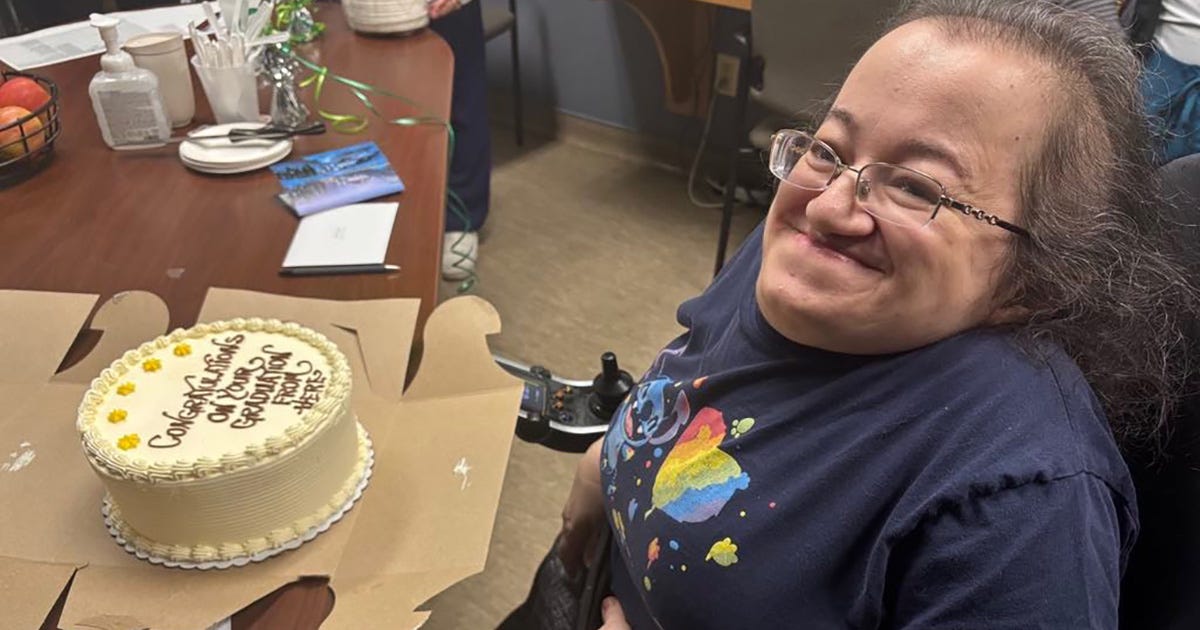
[751, 482]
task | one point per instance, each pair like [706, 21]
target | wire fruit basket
[33, 144]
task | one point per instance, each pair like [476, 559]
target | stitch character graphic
[652, 414]
[676, 458]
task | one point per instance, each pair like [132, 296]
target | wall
[596, 59]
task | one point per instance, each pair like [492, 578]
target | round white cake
[225, 441]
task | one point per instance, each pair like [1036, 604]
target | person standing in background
[1171, 81]
[460, 23]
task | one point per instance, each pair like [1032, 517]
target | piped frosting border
[233, 554]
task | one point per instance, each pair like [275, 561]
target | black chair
[498, 20]
[1161, 588]
[23, 16]
[10, 21]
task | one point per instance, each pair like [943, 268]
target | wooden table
[742, 5]
[102, 221]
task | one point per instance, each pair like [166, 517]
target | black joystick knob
[609, 388]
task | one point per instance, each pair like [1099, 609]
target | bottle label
[132, 117]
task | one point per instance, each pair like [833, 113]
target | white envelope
[357, 234]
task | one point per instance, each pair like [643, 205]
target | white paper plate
[232, 170]
[254, 155]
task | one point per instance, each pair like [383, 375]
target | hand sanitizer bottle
[128, 106]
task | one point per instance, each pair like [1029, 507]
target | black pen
[329, 270]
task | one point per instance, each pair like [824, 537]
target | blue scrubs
[471, 164]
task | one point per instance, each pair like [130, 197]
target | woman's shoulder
[1016, 411]
[998, 366]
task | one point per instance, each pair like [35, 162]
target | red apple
[23, 92]
[11, 145]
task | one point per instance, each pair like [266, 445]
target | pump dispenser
[128, 106]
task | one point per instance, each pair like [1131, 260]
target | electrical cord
[466, 259]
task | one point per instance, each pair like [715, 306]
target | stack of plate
[210, 151]
[386, 16]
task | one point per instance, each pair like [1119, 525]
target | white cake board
[239, 561]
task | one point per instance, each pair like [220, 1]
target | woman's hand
[442, 8]
[613, 615]
[583, 515]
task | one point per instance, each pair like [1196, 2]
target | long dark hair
[1099, 276]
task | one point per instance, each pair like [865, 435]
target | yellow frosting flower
[151, 365]
[125, 389]
[117, 415]
[182, 350]
[128, 441]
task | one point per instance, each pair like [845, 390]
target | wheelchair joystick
[609, 388]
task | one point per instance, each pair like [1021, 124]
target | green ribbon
[350, 123]
[283, 18]
[344, 123]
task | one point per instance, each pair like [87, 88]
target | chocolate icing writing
[239, 395]
[175, 432]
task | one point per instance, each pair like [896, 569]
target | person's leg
[471, 164]
[1171, 91]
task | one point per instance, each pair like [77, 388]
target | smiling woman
[903, 403]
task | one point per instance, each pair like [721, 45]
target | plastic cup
[163, 54]
[232, 92]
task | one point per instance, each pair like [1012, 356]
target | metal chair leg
[518, 104]
[743, 95]
[10, 23]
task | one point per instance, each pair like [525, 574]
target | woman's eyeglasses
[891, 193]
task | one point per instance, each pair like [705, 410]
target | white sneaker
[459, 250]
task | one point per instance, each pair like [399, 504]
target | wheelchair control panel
[567, 415]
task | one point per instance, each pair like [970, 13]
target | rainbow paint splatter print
[697, 478]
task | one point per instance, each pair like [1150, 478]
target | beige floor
[583, 252]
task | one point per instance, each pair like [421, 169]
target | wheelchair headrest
[1160, 586]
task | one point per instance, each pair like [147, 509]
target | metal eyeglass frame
[841, 167]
